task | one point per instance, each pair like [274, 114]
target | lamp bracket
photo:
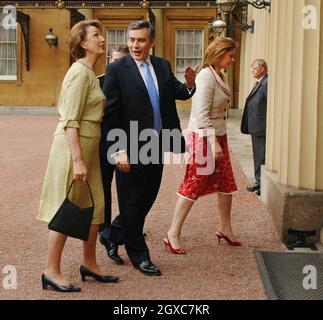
[259, 4]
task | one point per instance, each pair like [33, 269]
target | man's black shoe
[258, 193]
[253, 188]
[147, 268]
[112, 250]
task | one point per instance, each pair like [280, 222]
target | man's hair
[142, 24]
[120, 48]
[261, 63]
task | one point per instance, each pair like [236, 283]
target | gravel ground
[209, 271]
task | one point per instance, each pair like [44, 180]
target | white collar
[260, 79]
[140, 62]
[221, 82]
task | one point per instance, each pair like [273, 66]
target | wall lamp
[239, 8]
[51, 39]
[218, 25]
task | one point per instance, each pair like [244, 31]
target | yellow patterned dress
[80, 106]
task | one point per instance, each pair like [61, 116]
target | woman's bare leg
[182, 208]
[224, 205]
[89, 252]
[56, 243]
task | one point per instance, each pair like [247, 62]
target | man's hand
[190, 75]
[122, 162]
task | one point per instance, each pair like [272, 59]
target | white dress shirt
[259, 80]
[140, 65]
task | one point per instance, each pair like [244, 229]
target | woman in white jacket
[209, 170]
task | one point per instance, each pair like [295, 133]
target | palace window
[189, 50]
[8, 54]
[115, 37]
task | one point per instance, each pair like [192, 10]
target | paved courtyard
[209, 270]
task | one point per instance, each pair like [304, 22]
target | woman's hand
[73, 140]
[218, 152]
[79, 170]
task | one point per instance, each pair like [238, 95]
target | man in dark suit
[141, 92]
[108, 237]
[254, 119]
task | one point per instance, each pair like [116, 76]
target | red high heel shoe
[220, 235]
[172, 250]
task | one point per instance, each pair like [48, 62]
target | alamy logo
[8, 19]
[310, 17]
[146, 147]
[310, 281]
[9, 282]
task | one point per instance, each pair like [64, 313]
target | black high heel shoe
[57, 287]
[87, 273]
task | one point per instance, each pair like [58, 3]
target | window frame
[107, 54]
[18, 78]
[184, 43]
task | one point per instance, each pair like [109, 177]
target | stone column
[159, 32]
[292, 180]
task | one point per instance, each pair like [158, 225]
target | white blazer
[209, 104]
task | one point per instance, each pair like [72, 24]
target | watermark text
[9, 281]
[8, 18]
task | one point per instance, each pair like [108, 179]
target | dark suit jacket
[255, 111]
[128, 99]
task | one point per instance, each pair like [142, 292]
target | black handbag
[72, 220]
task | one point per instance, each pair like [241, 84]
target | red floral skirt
[205, 175]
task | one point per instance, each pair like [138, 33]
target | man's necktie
[154, 98]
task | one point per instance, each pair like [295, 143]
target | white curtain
[8, 53]
[189, 52]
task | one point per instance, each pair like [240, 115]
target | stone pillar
[159, 32]
[292, 180]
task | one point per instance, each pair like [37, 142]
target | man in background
[109, 234]
[254, 119]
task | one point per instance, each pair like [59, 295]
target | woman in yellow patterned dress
[75, 155]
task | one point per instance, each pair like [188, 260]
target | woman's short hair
[78, 34]
[217, 49]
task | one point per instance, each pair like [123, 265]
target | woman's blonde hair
[78, 34]
[216, 50]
